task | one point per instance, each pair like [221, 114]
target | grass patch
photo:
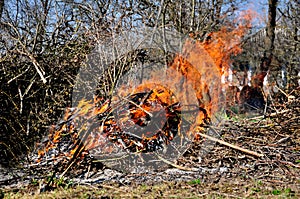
[196, 181]
[165, 190]
[276, 192]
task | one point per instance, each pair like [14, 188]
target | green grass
[191, 189]
[196, 181]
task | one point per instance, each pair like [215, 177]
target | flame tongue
[151, 115]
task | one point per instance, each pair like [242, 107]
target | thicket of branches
[43, 43]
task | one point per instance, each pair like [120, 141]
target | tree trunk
[1, 7]
[269, 45]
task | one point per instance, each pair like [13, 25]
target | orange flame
[201, 64]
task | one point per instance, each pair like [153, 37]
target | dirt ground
[268, 168]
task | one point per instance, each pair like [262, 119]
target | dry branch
[231, 145]
[175, 165]
[271, 115]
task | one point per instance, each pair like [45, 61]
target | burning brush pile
[150, 116]
[102, 127]
[145, 121]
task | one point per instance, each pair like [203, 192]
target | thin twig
[271, 115]
[287, 95]
[73, 160]
[16, 77]
[175, 165]
[130, 101]
[34, 62]
[289, 163]
[231, 145]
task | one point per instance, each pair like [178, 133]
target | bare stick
[34, 62]
[72, 160]
[271, 115]
[175, 165]
[289, 163]
[19, 75]
[231, 145]
[37, 67]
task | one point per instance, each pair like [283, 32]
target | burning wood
[147, 118]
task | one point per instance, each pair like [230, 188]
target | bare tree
[199, 17]
[1, 7]
[287, 45]
[266, 60]
[42, 45]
